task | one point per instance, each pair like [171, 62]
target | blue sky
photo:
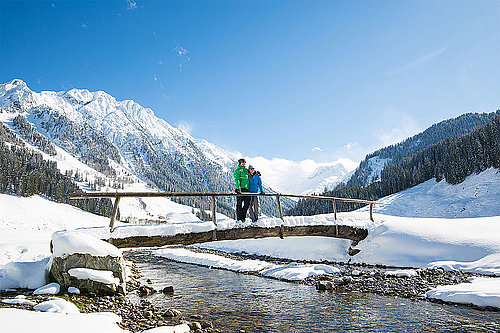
[288, 79]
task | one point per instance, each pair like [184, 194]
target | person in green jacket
[241, 185]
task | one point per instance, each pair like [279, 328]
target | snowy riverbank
[469, 244]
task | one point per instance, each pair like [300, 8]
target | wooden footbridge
[338, 231]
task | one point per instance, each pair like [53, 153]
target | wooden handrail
[88, 195]
[213, 195]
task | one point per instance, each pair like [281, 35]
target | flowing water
[236, 302]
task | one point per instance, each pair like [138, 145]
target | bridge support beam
[335, 231]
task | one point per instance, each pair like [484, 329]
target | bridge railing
[213, 195]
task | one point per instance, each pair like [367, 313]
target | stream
[236, 302]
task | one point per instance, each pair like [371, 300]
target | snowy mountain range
[104, 141]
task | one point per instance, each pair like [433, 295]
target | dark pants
[242, 204]
[253, 211]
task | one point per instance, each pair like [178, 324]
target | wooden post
[282, 227]
[214, 205]
[335, 215]
[371, 212]
[279, 207]
[335, 209]
[214, 217]
[113, 214]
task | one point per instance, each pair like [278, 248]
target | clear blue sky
[272, 79]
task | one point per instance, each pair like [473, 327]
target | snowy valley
[101, 144]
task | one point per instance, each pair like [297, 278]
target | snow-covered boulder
[87, 263]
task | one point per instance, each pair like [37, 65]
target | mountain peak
[15, 84]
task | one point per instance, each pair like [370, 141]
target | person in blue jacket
[254, 187]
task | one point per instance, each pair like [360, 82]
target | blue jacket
[255, 184]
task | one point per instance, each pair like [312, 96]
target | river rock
[194, 326]
[168, 290]
[146, 291]
[324, 285]
[77, 250]
[206, 324]
[170, 313]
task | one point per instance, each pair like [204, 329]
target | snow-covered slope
[124, 123]
[477, 196]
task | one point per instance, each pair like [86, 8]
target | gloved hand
[262, 192]
[238, 191]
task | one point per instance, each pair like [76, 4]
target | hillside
[452, 159]
[370, 168]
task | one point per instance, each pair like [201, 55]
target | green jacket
[241, 177]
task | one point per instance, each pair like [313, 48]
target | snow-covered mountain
[107, 143]
[304, 177]
[103, 141]
[130, 127]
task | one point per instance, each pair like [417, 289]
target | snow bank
[57, 305]
[105, 277]
[25, 235]
[489, 265]
[73, 290]
[481, 291]
[16, 320]
[49, 289]
[30, 275]
[20, 299]
[182, 328]
[292, 272]
[66, 243]
[415, 242]
[402, 273]
[297, 272]
[212, 260]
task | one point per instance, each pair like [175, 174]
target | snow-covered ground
[477, 196]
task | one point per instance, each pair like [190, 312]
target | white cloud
[351, 145]
[317, 149]
[284, 175]
[417, 61]
[131, 4]
[180, 50]
[348, 164]
[183, 54]
[184, 126]
[406, 127]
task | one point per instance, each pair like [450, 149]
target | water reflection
[236, 302]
